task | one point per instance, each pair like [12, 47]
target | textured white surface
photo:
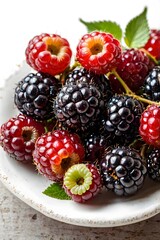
[20, 21]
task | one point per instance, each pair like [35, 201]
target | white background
[20, 20]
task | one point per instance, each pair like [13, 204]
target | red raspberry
[82, 182]
[150, 125]
[153, 44]
[133, 67]
[98, 52]
[18, 136]
[55, 152]
[48, 53]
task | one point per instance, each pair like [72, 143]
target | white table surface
[19, 22]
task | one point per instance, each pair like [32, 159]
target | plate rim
[152, 211]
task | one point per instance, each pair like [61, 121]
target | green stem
[124, 85]
[129, 91]
[149, 55]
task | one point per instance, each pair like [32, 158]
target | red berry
[133, 67]
[18, 136]
[48, 53]
[82, 182]
[150, 125]
[153, 44]
[98, 52]
[55, 152]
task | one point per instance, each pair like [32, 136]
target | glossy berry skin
[78, 106]
[153, 44]
[34, 95]
[98, 52]
[82, 182]
[149, 128]
[81, 75]
[18, 136]
[122, 170]
[55, 152]
[48, 53]
[153, 164]
[133, 67]
[151, 87]
[123, 118]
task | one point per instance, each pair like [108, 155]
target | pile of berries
[91, 125]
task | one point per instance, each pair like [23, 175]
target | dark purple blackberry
[34, 95]
[78, 106]
[151, 88]
[80, 74]
[153, 164]
[95, 144]
[123, 118]
[122, 170]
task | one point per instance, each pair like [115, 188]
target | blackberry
[123, 118]
[151, 88]
[80, 74]
[34, 95]
[78, 106]
[122, 170]
[95, 145]
[153, 164]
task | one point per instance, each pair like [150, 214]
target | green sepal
[104, 26]
[137, 31]
[55, 190]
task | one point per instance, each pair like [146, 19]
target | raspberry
[123, 118]
[82, 182]
[122, 170]
[98, 52]
[48, 53]
[34, 95]
[151, 87]
[18, 136]
[153, 164]
[81, 75]
[133, 67]
[55, 152]
[78, 106]
[153, 44]
[149, 128]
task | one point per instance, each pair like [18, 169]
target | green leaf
[137, 31]
[104, 26]
[55, 190]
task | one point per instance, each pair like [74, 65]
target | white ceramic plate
[106, 210]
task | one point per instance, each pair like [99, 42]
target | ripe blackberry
[55, 152]
[153, 164]
[48, 53]
[123, 118]
[34, 95]
[80, 75]
[95, 144]
[133, 67]
[151, 87]
[122, 170]
[18, 136]
[153, 44]
[98, 52]
[149, 128]
[82, 182]
[78, 106]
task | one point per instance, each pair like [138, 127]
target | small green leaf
[104, 26]
[137, 31]
[55, 190]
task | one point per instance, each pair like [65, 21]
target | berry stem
[132, 94]
[124, 85]
[149, 55]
